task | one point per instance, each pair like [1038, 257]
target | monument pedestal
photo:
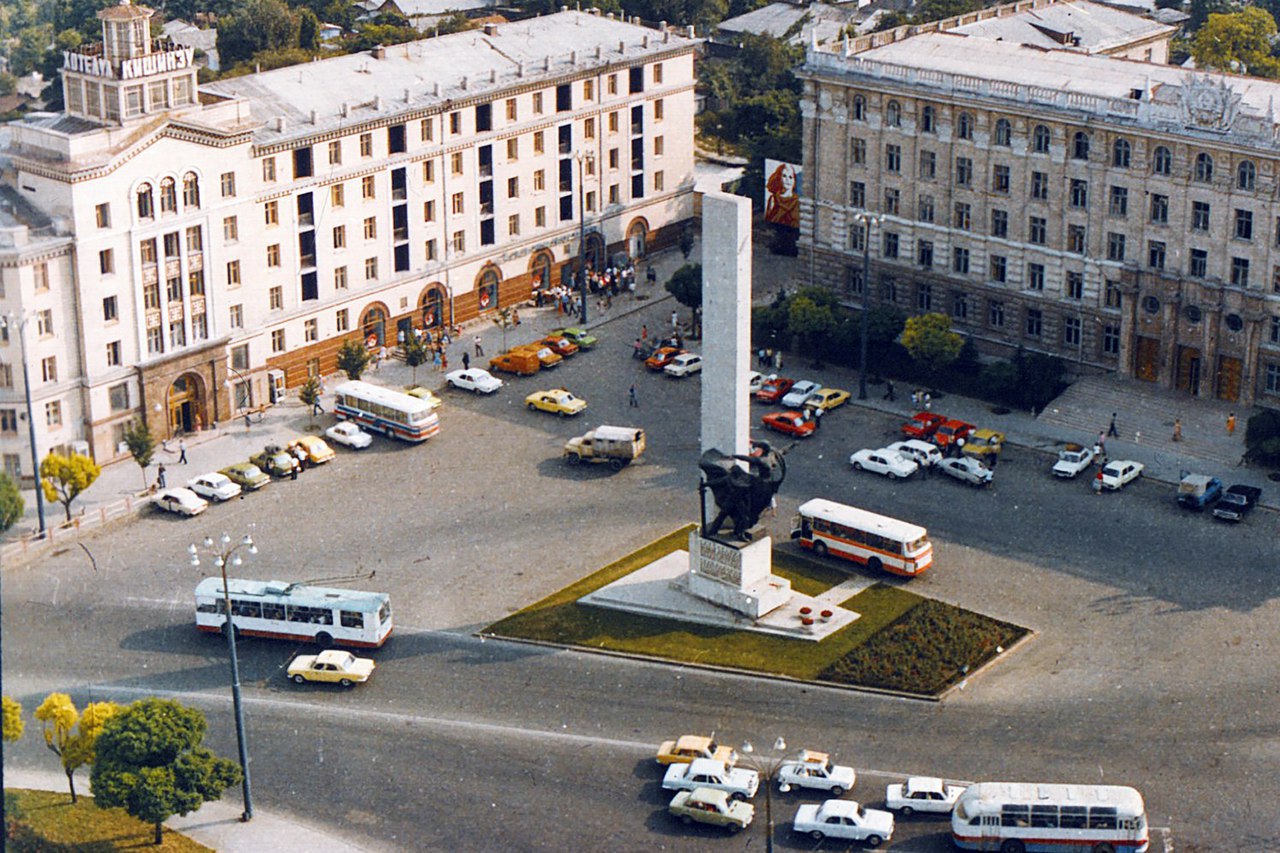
[737, 576]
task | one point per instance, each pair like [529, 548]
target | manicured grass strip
[807, 576]
[46, 821]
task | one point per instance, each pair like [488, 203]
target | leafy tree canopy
[11, 503]
[13, 723]
[353, 358]
[74, 746]
[63, 478]
[686, 285]
[1239, 42]
[929, 340]
[256, 26]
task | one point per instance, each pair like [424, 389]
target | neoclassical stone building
[177, 250]
[1121, 214]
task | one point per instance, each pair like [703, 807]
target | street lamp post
[766, 766]
[584, 159]
[11, 321]
[223, 552]
[867, 220]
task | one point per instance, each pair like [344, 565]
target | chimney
[622, 47]
[377, 102]
[491, 29]
[314, 116]
[435, 91]
[573, 57]
[280, 124]
[464, 82]
[520, 69]
[346, 109]
[378, 52]
[645, 40]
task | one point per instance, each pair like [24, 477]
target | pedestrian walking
[1111, 430]
[915, 398]
[651, 275]
[675, 320]
[466, 361]
[246, 421]
[479, 348]
[632, 401]
[1102, 440]
[928, 401]
[888, 393]
[160, 477]
[1231, 424]
[1097, 483]
[1177, 429]
[444, 361]
[182, 452]
[818, 412]
[777, 359]
[644, 332]
[293, 470]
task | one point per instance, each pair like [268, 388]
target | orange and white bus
[826, 527]
[294, 611]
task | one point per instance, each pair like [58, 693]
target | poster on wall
[782, 194]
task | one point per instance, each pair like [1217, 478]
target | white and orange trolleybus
[383, 410]
[294, 611]
[1014, 817]
[826, 527]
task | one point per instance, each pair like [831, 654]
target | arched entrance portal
[373, 325]
[637, 238]
[595, 252]
[431, 308]
[540, 270]
[185, 404]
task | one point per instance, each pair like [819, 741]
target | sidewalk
[216, 825]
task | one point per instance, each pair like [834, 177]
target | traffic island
[902, 642]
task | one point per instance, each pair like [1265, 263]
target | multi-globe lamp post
[767, 766]
[585, 159]
[224, 553]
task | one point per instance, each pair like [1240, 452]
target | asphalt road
[1154, 664]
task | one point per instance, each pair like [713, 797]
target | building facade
[179, 252]
[1120, 214]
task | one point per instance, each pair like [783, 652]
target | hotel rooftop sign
[130, 69]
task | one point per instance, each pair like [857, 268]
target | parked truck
[1236, 501]
[614, 446]
[1197, 491]
[519, 362]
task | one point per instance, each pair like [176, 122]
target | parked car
[433, 399]
[1197, 491]
[547, 358]
[558, 401]
[332, 666]
[1236, 502]
[661, 357]
[345, 432]
[581, 337]
[707, 805]
[473, 379]
[246, 475]
[966, 469]
[181, 501]
[789, 423]
[983, 444]
[1119, 473]
[1072, 460]
[799, 392]
[774, 388]
[844, 819]
[921, 452]
[276, 461]
[215, 486]
[313, 446]
[755, 381]
[922, 425]
[827, 398]
[686, 748]
[922, 794]
[685, 364]
[560, 345]
[886, 462]
[951, 431]
[738, 782]
[812, 769]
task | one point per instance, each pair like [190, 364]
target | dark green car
[581, 337]
[247, 475]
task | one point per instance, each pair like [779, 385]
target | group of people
[769, 358]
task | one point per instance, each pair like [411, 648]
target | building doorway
[637, 238]
[1228, 380]
[1189, 370]
[1146, 359]
[595, 252]
[184, 405]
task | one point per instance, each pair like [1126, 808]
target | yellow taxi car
[685, 749]
[427, 394]
[317, 451]
[331, 666]
[827, 398]
[558, 401]
[983, 444]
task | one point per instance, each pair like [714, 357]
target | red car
[922, 426]
[662, 358]
[774, 389]
[559, 345]
[791, 423]
[949, 431]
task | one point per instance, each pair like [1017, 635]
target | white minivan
[920, 452]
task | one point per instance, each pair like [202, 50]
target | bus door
[990, 832]
[802, 527]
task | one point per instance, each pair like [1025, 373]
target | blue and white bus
[294, 611]
[392, 413]
[1017, 817]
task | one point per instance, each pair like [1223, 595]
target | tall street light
[767, 766]
[585, 158]
[12, 321]
[867, 220]
[223, 552]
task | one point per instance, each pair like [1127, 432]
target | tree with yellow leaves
[65, 477]
[13, 724]
[75, 745]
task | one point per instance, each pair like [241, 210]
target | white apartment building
[1121, 214]
[178, 252]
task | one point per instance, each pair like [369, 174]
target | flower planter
[805, 611]
[826, 615]
[806, 620]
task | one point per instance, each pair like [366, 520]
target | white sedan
[1116, 474]
[215, 486]
[887, 462]
[755, 381]
[181, 501]
[922, 794]
[967, 470]
[473, 379]
[799, 392]
[814, 770]
[349, 434]
[844, 819]
[922, 453]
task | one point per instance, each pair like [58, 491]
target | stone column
[726, 322]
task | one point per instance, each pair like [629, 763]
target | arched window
[487, 289]
[432, 308]
[1162, 161]
[964, 126]
[928, 120]
[146, 202]
[1121, 153]
[1004, 132]
[893, 114]
[1246, 175]
[541, 269]
[1080, 146]
[1040, 139]
[373, 325]
[190, 190]
[859, 108]
[1204, 168]
[168, 196]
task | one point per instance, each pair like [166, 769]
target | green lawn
[902, 641]
[47, 822]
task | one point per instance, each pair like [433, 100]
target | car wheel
[298, 679]
[686, 820]
[820, 548]
[739, 796]
[532, 407]
[233, 628]
[573, 458]
[347, 682]
[453, 384]
[874, 840]
[837, 790]
[892, 475]
[324, 639]
[857, 466]
[615, 464]
[874, 564]
[817, 835]
[735, 828]
[1013, 845]
[563, 413]
[907, 811]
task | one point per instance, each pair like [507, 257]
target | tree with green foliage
[308, 30]
[63, 478]
[929, 340]
[416, 353]
[14, 725]
[1200, 10]
[309, 394]
[811, 316]
[685, 285]
[12, 506]
[71, 735]
[935, 10]
[353, 358]
[687, 241]
[256, 26]
[1239, 42]
[151, 762]
[142, 445]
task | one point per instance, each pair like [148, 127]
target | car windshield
[252, 471]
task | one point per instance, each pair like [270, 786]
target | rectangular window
[40, 274]
[341, 321]
[1111, 340]
[1071, 337]
[155, 340]
[995, 314]
[858, 152]
[1039, 186]
[1113, 295]
[1115, 246]
[455, 163]
[366, 145]
[960, 260]
[659, 146]
[999, 223]
[277, 340]
[657, 72]
[513, 224]
[273, 255]
[513, 149]
[53, 414]
[924, 298]
[173, 287]
[612, 84]
[659, 181]
[924, 253]
[1274, 336]
[658, 110]
[589, 129]
[311, 330]
[458, 204]
[1076, 239]
[891, 199]
[537, 103]
[928, 165]
[151, 296]
[107, 261]
[1000, 179]
[370, 269]
[964, 172]
[113, 354]
[371, 228]
[237, 316]
[276, 297]
[613, 122]
[271, 213]
[1035, 322]
[893, 158]
[337, 197]
[1037, 230]
[118, 395]
[962, 215]
[1075, 285]
[269, 170]
[925, 208]
[484, 118]
[1035, 276]
[367, 187]
[1199, 266]
[1155, 254]
[428, 211]
[1119, 204]
[1079, 193]
[1200, 216]
[999, 268]
[102, 215]
[459, 241]
[110, 309]
[540, 217]
[890, 245]
[960, 306]
[340, 278]
[1244, 224]
[429, 171]
[1159, 209]
[335, 153]
[228, 184]
[431, 250]
[1240, 272]
[49, 369]
[44, 322]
